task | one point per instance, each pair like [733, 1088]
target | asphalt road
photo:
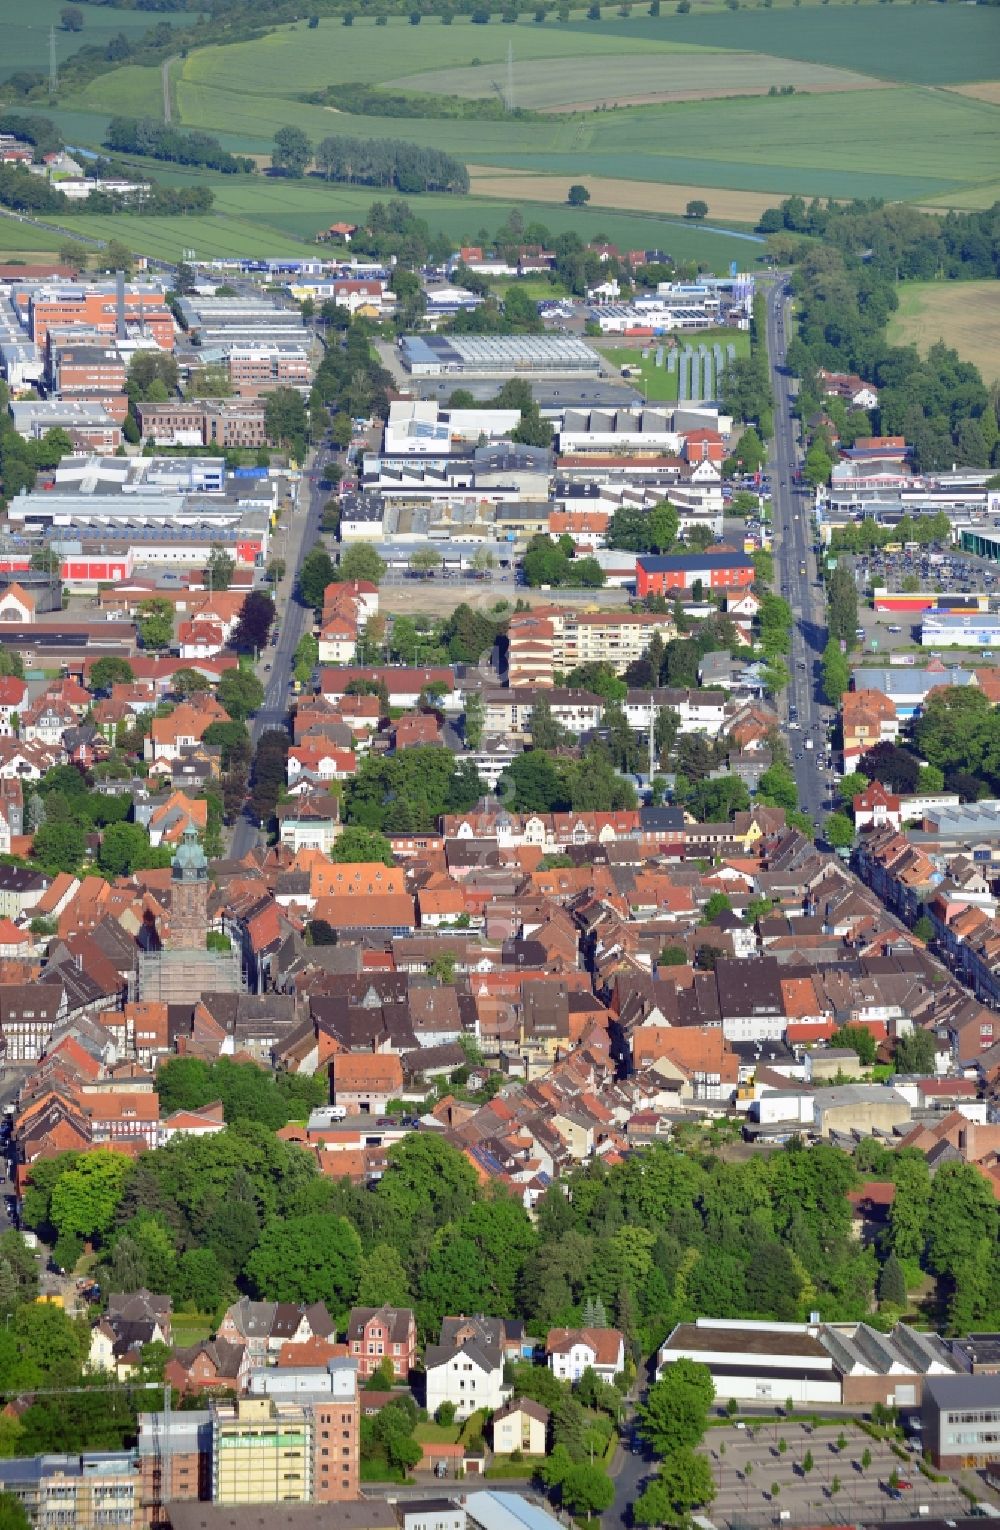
[293, 620]
[795, 573]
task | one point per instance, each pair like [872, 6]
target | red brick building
[377, 1333]
[676, 572]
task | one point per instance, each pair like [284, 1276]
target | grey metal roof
[963, 1391]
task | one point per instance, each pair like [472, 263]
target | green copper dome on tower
[190, 864]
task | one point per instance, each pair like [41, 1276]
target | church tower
[188, 895]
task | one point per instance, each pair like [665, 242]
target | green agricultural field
[928, 143]
[293, 59]
[167, 238]
[262, 217]
[24, 31]
[15, 235]
[135, 90]
[923, 45]
[842, 134]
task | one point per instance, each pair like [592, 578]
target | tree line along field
[965, 315]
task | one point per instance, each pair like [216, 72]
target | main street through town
[299, 537]
[796, 574]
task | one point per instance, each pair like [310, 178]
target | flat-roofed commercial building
[257, 369]
[961, 1420]
[498, 356]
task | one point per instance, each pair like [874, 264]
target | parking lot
[788, 1469]
[934, 568]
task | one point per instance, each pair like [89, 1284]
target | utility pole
[510, 76]
[53, 70]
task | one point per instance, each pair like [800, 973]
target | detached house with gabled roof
[184, 727]
[466, 1366]
[571, 1351]
[365, 1082]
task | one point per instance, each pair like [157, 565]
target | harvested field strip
[985, 90]
[640, 196]
[589, 82]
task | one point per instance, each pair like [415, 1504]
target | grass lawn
[658, 385]
[377, 1469]
[965, 315]
[430, 1433]
[191, 1327]
[503, 1466]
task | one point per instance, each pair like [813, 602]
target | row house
[868, 718]
[900, 874]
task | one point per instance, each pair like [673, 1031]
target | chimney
[120, 329]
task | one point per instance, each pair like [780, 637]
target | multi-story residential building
[378, 1333]
[466, 1366]
[869, 718]
[509, 711]
[521, 1425]
[666, 573]
[542, 642]
[88, 1492]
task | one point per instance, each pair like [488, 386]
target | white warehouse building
[757, 1362]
